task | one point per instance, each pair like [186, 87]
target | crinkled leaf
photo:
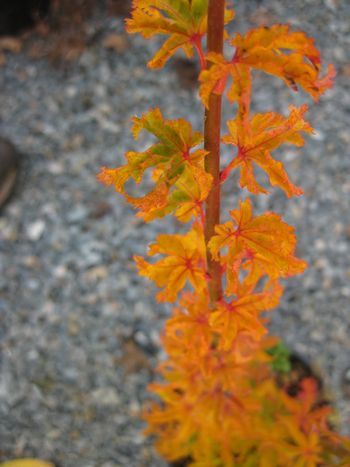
[242, 314]
[186, 199]
[184, 261]
[265, 133]
[192, 190]
[183, 20]
[290, 56]
[188, 332]
[263, 245]
[172, 160]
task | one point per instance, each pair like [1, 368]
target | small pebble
[35, 230]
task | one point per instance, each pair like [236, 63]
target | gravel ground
[79, 330]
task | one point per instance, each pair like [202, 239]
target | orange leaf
[291, 56]
[241, 315]
[264, 244]
[188, 333]
[185, 261]
[184, 21]
[254, 143]
[302, 449]
[215, 78]
[174, 164]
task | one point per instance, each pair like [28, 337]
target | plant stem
[212, 126]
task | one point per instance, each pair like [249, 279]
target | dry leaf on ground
[10, 44]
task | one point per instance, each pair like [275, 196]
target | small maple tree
[220, 403]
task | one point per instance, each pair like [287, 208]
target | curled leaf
[290, 56]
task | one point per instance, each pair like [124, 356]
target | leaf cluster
[219, 401]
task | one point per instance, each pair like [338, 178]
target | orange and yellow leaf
[290, 56]
[184, 261]
[265, 243]
[184, 21]
[241, 315]
[177, 168]
[256, 140]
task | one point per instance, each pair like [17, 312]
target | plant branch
[212, 126]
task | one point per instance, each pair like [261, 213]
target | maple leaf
[305, 409]
[172, 423]
[193, 189]
[183, 20]
[241, 315]
[186, 199]
[303, 449]
[265, 243]
[188, 333]
[185, 261]
[266, 132]
[291, 56]
[190, 416]
[172, 160]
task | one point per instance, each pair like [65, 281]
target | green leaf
[280, 358]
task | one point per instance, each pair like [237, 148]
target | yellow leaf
[26, 463]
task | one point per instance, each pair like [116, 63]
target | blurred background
[79, 329]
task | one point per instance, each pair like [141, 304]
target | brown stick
[212, 144]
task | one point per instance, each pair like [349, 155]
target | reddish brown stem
[212, 144]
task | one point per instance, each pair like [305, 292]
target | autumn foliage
[219, 400]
